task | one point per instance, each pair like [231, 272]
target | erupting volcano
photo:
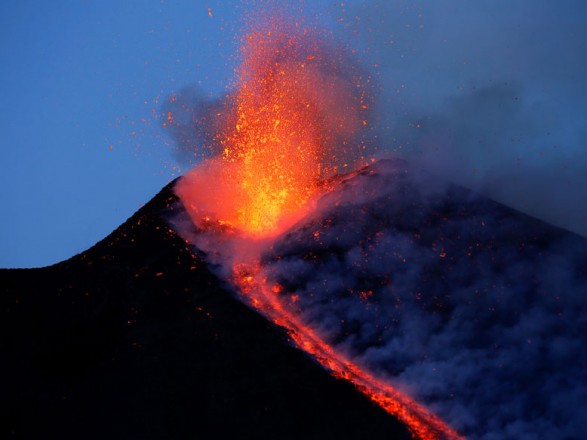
[293, 122]
[294, 119]
[291, 286]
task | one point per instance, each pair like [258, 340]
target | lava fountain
[294, 102]
[293, 122]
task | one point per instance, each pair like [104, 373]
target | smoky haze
[475, 310]
[489, 94]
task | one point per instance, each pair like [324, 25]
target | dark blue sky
[488, 93]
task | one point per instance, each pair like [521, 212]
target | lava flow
[264, 298]
[294, 102]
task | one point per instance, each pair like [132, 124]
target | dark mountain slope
[135, 338]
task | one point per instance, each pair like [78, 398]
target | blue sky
[78, 77]
[488, 93]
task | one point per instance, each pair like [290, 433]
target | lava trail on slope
[474, 309]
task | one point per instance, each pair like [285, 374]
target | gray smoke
[476, 310]
[489, 94]
[192, 121]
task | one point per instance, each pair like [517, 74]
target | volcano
[473, 308]
[136, 338]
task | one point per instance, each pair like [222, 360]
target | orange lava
[295, 101]
[263, 297]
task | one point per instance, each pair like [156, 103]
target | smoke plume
[487, 94]
[474, 309]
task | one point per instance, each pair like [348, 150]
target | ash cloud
[494, 141]
[474, 309]
[488, 94]
[192, 121]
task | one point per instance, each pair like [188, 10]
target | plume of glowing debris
[289, 125]
[294, 101]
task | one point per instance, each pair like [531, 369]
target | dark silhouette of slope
[135, 338]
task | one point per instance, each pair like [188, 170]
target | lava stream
[259, 294]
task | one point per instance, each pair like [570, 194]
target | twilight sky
[77, 78]
[488, 93]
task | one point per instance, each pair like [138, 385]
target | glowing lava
[264, 297]
[293, 103]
